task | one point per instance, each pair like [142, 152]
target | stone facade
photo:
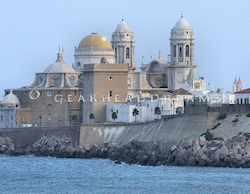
[103, 84]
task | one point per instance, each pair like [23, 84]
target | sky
[31, 32]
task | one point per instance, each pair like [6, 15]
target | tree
[92, 116]
[135, 113]
[114, 115]
[74, 117]
[157, 111]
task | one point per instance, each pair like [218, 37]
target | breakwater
[234, 152]
[169, 141]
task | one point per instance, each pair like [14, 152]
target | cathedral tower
[182, 63]
[239, 86]
[123, 44]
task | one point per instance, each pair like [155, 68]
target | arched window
[55, 82]
[78, 64]
[174, 51]
[187, 51]
[127, 53]
[1, 117]
[180, 52]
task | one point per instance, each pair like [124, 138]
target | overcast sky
[32, 30]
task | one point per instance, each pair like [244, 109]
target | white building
[243, 96]
[168, 103]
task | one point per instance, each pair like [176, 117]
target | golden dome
[95, 40]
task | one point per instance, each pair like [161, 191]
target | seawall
[27, 136]
[169, 128]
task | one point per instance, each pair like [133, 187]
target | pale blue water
[52, 175]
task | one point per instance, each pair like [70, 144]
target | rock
[196, 147]
[241, 139]
[222, 151]
[87, 147]
[173, 147]
[212, 150]
[186, 144]
[238, 156]
[117, 162]
[202, 140]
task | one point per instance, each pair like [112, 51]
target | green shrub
[218, 138]
[222, 116]
[209, 136]
[217, 125]
[248, 114]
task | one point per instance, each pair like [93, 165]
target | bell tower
[123, 44]
[181, 55]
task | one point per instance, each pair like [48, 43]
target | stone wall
[27, 136]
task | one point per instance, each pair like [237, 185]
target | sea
[29, 174]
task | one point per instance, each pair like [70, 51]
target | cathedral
[104, 72]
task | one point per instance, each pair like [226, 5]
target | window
[55, 82]
[197, 85]
[72, 81]
[78, 64]
[49, 117]
[172, 82]
[127, 34]
[180, 55]
[187, 51]
[115, 55]
[110, 77]
[174, 51]
[50, 106]
[49, 93]
[110, 93]
[127, 53]
[1, 117]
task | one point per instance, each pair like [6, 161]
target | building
[168, 103]
[179, 71]
[105, 73]
[53, 96]
[12, 114]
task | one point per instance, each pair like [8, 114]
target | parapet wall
[27, 136]
[225, 108]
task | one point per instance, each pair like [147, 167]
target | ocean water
[29, 174]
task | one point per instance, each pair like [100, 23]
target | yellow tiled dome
[95, 40]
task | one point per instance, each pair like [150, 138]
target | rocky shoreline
[234, 152]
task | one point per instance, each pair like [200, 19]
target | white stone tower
[182, 63]
[123, 44]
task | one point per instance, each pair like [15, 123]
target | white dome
[182, 24]
[122, 27]
[59, 67]
[11, 99]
